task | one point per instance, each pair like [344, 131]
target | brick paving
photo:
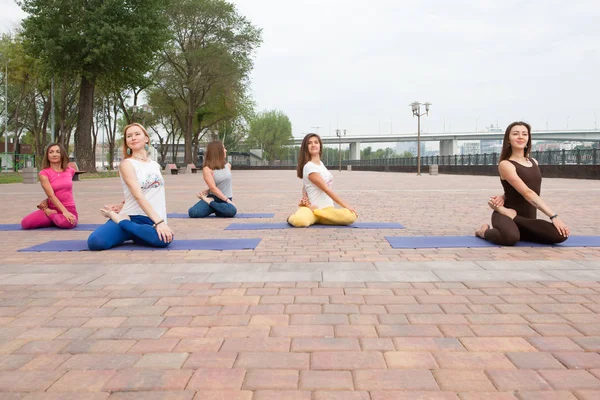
[330, 314]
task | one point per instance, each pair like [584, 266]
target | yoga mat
[203, 244]
[184, 215]
[285, 225]
[80, 227]
[430, 242]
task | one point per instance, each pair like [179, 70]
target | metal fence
[548, 157]
[16, 162]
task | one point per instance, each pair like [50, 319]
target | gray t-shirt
[222, 179]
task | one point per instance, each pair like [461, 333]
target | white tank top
[153, 188]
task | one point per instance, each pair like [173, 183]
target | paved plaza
[310, 314]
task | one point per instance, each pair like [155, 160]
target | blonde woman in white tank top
[142, 217]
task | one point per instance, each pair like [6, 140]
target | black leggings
[507, 232]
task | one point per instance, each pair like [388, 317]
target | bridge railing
[548, 157]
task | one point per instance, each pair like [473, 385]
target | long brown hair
[64, 157]
[304, 155]
[214, 158]
[125, 155]
[506, 149]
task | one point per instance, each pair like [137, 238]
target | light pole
[6, 111]
[416, 110]
[338, 133]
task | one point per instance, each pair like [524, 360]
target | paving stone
[217, 379]
[326, 380]
[534, 360]
[82, 381]
[221, 359]
[521, 380]
[346, 360]
[570, 379]
[142, 380]
[251, 360]
[161, 361]
[365, 379]
[264, 379]
[464, 381]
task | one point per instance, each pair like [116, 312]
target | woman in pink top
[57, 181]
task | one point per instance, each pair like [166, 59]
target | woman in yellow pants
[316, 206]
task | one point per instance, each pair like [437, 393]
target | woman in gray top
[217, 175]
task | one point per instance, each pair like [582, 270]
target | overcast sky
[357, 65]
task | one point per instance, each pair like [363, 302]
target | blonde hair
[125, 148]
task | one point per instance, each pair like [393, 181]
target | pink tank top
[62, 184]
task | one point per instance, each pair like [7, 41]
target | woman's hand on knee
[353, 211]
[164, 232]
[561, 227]
[70, 217]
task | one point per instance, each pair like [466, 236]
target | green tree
[271, 131]
[206, 66]
[366, 153]
[406, 154]
[94, 39]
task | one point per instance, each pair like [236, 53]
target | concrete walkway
[309, 314]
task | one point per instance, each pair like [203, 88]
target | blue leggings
[139, 229]
[221, 209]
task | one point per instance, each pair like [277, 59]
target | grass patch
[15, 177]
[10, 177]
[97, 175]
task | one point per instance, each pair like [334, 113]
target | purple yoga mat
[440, 242]
[186, 216]
[285, 225]
[80, 227]
[203, 244]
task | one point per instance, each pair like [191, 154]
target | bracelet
[158, 223]
[554, 216]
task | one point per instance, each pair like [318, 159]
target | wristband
[158, 223]
[554, 216]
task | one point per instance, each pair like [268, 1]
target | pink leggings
[39, 219]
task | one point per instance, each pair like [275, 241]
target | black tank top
[513, 199]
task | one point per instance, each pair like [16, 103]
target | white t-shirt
[153, 188]
[316, 196]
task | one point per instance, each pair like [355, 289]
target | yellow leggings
[305, 217]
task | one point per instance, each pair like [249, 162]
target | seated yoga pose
[142, 217]
[56, 177]
[515, 213]
[318, 198]
[217, 198]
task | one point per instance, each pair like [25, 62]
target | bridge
[448, 140]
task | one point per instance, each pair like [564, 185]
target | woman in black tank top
[515, 214]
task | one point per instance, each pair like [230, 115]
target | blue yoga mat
[431, 242]
[184, 215]
[203, 244]
[80, 227]
[285, 225]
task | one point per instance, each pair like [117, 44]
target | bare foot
[49, 211]
[509, 212]
[43, 204]
[204, 198]
[116, 218]
[481, 231]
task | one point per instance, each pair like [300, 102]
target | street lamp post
[338, 133]
[416, 110]
[6, 111]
